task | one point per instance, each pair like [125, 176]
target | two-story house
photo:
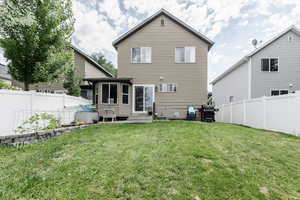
[272, 69]
[86, 68]
[161, 60]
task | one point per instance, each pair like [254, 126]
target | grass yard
[158, 161]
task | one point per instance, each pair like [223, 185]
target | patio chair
[108, 113]
[191, 113]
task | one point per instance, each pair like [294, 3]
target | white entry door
[143, 97]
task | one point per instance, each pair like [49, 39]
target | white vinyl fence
[18, 106]
[276, 113]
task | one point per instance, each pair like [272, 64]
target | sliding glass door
[143, 98]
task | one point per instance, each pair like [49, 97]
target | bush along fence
[276, 113]
[31, 138]
[18, 106]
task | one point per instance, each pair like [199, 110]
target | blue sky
[230, 23]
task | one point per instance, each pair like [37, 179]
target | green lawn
[163, 160]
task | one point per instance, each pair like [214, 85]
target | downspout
[249, 77]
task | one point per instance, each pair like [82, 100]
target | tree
[72, 82]
[101, 60]
[36, 36]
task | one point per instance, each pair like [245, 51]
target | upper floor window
[185, 54]
[269, 64]
[167, 87]
[141, 55]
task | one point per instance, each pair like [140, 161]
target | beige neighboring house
[4, 75]
[161, 62]
[87, 68]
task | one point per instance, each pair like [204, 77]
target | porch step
[140, 118]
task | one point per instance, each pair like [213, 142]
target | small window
[231, 99]
[275, 93]
[125, 94]
[109, 93]
[284, 92]
[185, 54]
[141, 55]
[279, 92]
[290, 39]
[269, 64]
[167, 87]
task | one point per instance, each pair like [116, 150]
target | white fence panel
[254, 113]
[280, 113]
[226, 113]
[238, 113]
[283, 109]
[18, 106]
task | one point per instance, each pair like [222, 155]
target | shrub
[37, 122]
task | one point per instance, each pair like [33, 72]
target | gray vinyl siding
[191, 79]
[235, 84]
[289, 66]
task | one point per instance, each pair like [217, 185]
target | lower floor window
[125, 94]
[109, 93]
[279, 92]
[167, 87]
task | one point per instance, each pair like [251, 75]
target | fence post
[222, 113]
[264, 102]
[32, 96]
[298, 112]
[244, 112]
[231, 112]
[64, 100]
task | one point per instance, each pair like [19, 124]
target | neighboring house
[86, 68]
[4, 75]
[161, 60]
[271, 69]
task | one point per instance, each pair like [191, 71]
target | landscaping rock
[30, 138]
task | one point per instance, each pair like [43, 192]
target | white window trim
[184, 55]
[125, 94]
[269, 64]
[108, 93]
[167, 88]
[279, 92]
[133, 96]
[141, 56]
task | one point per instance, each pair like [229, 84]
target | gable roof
[248, 56]
[170, 16]
[91, 61]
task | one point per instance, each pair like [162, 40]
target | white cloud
[92, 30]
[244, 23]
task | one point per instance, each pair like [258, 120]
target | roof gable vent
[290, 39]
[162, 22]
